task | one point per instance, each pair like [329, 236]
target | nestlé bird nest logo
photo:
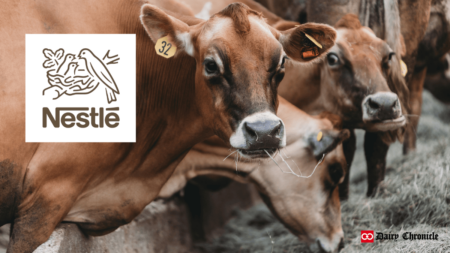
[81, 74]
[80, 88]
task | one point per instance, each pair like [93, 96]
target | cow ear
[283, 25]
[325, 141]
[299, 47]
[159, 24]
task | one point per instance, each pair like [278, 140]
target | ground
[414, 197]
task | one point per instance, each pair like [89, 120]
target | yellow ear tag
[404, 68]
[319, 136]
[165, 48]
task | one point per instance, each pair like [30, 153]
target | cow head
[360, 79]
[239, 64]
[309, 207]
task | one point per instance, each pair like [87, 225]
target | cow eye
[211, 67]
[391, 55]
[279, 77]
[333, 59]
[387, 61]
[282, 62]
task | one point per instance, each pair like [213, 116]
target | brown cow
[359, 82]
[430, 64]
[219, 83]
[389, 20]
[308, 207]
[424, 26]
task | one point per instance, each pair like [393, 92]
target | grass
[415, 197]
[254, 231]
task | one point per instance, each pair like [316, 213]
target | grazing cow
[308, 207]
[222, 82]
[359, 81]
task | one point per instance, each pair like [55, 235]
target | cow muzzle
[382, 112]
[329, 246]
[259, 135]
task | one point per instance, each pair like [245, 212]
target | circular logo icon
[366, 236]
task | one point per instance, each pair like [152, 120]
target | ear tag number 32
[165, 48]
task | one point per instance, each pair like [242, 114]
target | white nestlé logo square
[80, 88]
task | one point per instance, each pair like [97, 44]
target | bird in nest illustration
[71, 76]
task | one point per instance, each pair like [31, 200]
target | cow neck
[208, 159]
[167, 117]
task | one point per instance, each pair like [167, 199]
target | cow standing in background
[437, 80]
[308, 207]
[433, 56]
[225, 73]
[433, 59]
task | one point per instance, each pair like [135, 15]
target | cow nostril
[263, 131]
[321, 249]
[250, 130]
[396, 104]
[373, 104]
[276, 130]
